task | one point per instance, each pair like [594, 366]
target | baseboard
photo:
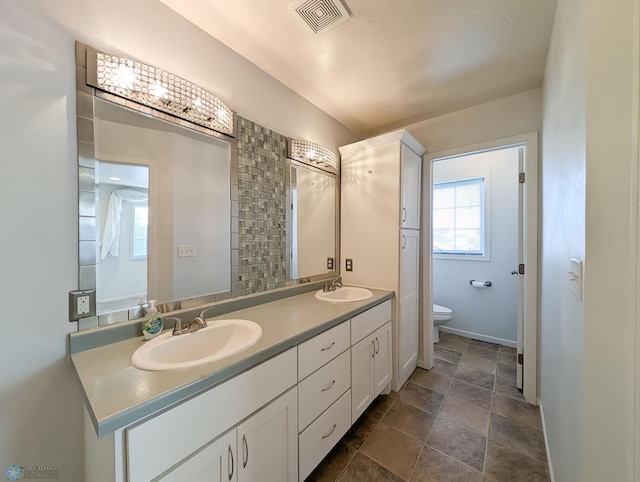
[546, 441]
[478, 336]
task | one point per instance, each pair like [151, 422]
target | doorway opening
[480, 249]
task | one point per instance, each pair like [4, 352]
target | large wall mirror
[173, 180]
[313, 221]
[168, 210]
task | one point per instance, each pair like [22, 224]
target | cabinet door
[217, 462]
[382, 360]
[411, 181]
[268, 442]
[409, 301]
[362, 376]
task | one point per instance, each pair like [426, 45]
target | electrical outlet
[348, 264]
[330, 264]
[82, 304]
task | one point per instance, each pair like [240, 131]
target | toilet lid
[442, 310]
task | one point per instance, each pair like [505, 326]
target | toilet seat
[441, 310]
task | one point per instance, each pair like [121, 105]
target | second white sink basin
[218, 340]
[345, 294]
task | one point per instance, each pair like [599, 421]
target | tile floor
[464, 420]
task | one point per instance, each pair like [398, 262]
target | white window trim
[486, 175]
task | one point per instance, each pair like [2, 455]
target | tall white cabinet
[380, 231]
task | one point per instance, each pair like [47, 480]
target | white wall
[563, 237]
[586, 347]
[510, 116]
[491, 312]
[40, 403]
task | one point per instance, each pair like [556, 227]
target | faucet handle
[180, 326]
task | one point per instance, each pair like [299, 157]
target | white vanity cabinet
[370, 356]
[216, 462]
[258, 408]
[380, 231]
[324, 394]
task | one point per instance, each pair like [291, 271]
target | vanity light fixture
[314, 154]
[158, 89]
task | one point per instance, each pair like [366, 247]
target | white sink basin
[344, 294]
[218, 340]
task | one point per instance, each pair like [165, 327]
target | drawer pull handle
[329, 387]
[377, 345]
[373, 345]
[330, 432]
[232, 467]
[245, 451]
[404, 214]
[328, 347]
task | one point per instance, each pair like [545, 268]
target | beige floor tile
[465, 415]
[482, 363]
[421, 397]
[409, 420]
[363, 469]
[475, 376]
[463, 445]
[517, 410]
[473, 394]
[505, 464]
[393, 450]
[333, 464]
[431, 379]
[434, 466]
[523, 438]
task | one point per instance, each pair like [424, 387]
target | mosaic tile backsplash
[262, 205]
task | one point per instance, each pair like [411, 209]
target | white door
[362, 376]
[382, 359]
[409, 303]
[215, 463]
[268, 442]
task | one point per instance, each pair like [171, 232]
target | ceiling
[393, 62]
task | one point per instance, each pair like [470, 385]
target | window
[459, 218]
[139, 230]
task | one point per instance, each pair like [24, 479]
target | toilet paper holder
[480, 284]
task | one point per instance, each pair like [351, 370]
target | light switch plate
[575, 277]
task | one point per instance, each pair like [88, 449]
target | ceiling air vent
[320, 15]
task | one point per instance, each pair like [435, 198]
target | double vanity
[270, 412]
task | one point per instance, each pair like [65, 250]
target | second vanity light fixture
[313, 154]
[158, 89]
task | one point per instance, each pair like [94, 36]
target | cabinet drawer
[314, 353]
[369, 321]
[320, 437]
[321, 389]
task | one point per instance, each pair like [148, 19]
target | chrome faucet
[182, 327]
[333, 284]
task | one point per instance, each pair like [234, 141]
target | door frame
[531, 242]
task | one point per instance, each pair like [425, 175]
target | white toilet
[441, 314]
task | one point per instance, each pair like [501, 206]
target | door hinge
[521, 268]
[521, 177]
[520, 358]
